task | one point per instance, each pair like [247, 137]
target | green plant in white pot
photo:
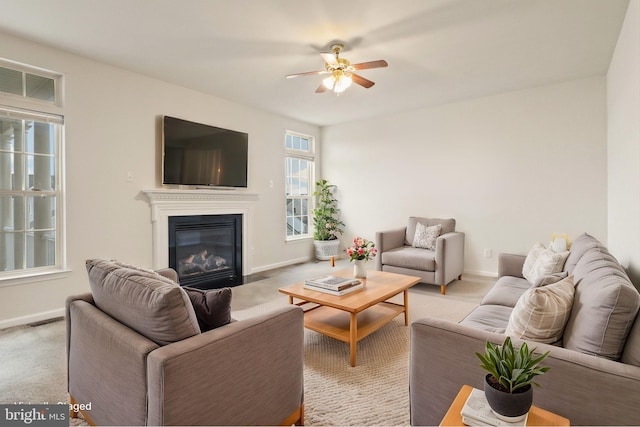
[508, 385]
[326, 221]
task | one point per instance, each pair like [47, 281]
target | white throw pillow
[549, 262]
[426, 237]
[542, 313]
[531, 259]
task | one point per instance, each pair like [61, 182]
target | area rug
[376, 390]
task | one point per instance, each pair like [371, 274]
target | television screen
[198, 154]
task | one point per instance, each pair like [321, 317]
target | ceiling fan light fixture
[343, 82]
[342, 73]
[329, 82]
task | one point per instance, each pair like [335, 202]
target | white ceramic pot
[325, 249]
[360, 268]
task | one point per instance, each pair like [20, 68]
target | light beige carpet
[376, 391]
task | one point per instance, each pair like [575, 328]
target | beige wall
[111, 129]
[623, 109]
[512, 169]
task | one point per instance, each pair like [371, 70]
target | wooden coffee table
[351, 317]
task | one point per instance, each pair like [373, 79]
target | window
[299, 177]
[30, 83]
[30, 175]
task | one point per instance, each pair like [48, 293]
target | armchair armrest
[248, 372]
[433, 386]
[510, 265]
[387, 240]
[449, 257]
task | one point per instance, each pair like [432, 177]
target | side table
[537, 416]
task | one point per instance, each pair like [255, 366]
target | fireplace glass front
[206, 250]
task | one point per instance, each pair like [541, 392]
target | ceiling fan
[342, 71]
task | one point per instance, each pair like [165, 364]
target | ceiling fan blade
[321, 88]
[366, 83]
[308, 73]
[371, 64]
[329, 58]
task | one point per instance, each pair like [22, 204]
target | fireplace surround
[166, 203]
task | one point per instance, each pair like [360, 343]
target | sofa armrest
[449, 257]
[510, 265]
[169, 273]
[106, 365]
[87, 297]
[586, 389]
[248, 372]
[387, 240]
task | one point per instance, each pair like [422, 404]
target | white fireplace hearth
[166, 203]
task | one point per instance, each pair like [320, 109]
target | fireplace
[206, 250]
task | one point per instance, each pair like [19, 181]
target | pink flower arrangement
[361, 249]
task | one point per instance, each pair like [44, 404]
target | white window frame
[310, 157]
[25, 108]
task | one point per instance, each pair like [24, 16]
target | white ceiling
[438, 51]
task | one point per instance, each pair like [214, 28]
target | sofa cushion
[410, 257]
[492, 318]
[212, 306]
[579, 247]
[542, 312]
[145, 301]
[448, 226]
[506, 291]
[607, 305]
[631, 352]
[425, 237]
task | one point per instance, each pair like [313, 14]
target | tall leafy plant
[326, 216]
[512, 368]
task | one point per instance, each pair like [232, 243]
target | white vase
[360, 268]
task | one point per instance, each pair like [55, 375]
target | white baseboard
[481, 273]
[32, 318]
[280, 264]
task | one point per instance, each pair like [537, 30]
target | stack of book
[333, 285]
[477, 412]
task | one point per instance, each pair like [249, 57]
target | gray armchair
[136, 357]
[438, 266]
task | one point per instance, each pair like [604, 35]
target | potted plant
[508, 385]
[326, 221]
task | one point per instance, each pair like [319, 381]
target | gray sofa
[439, 266]
[595, 368]
[137, 355]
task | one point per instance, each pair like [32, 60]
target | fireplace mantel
[165, 203]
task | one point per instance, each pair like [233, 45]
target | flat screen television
[203, 155]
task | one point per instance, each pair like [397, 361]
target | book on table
[345, 290]
[477, 412]
[332, 282]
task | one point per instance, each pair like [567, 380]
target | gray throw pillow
[212, 306]
[145, 301]
[549, 279]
